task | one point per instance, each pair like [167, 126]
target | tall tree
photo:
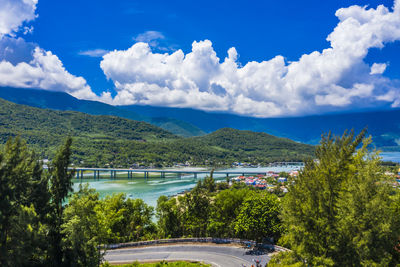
[83, 230]
[258, 218]
[60, 187]
[20, 176]
[224, 211]
[168, 217]
[128, 219]
[338, 212]
[194, 208]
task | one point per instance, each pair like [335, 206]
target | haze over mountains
[384, 126]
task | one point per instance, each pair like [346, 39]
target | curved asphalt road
[217, 255]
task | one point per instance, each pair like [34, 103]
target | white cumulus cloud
[25, 64]
[336, 77]
[44, 71]
[13, 13]
[378, 68]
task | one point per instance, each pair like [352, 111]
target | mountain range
[383, 126]
[103, 140]
[64, 101]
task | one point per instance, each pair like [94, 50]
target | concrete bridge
[102, 172]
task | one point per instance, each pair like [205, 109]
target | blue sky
[79, 33]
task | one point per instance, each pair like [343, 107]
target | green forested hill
[248, 146]
[65, 102]
[106, 140]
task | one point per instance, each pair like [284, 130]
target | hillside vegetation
[383, 126]
[65, 102]
[112, 141]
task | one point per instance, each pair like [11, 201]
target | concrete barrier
[237, 241]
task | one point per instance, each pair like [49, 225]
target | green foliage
[20, 180]
[126, 219]
[168, 222]
[209, 184]
[60, 176]
[284, 174]
[224, 211]
[259, 217]
[233, 212]
[60, 186]
[195, 209]
[38, 229]
[338, 212]
[101, 141]
[83, 230]
[286, 259]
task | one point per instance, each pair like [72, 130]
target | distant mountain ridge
[64, 101]
[101, 140]
[384, 126]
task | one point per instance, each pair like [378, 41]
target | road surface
[216, 255]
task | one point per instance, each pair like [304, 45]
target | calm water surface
[149, 190]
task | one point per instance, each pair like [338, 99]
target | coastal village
[271, 181]
[396, 183]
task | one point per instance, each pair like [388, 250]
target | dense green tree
[26, 239]
[128, 219]
[60, 187]
[287, 259]
[224, 211]
[339, 211]
[209, 184]
[195, 209]
[168, 217]
[20, 179]
[258, 218]
[83, 230]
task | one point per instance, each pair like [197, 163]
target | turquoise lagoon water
[152, 188]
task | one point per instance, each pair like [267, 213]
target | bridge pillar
[94, 174]
[77, 174]
[195, 175]
[81, 174]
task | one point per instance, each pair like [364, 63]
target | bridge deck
[146, 172]
[167, 171]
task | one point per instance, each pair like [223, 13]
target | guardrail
[237, 241]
